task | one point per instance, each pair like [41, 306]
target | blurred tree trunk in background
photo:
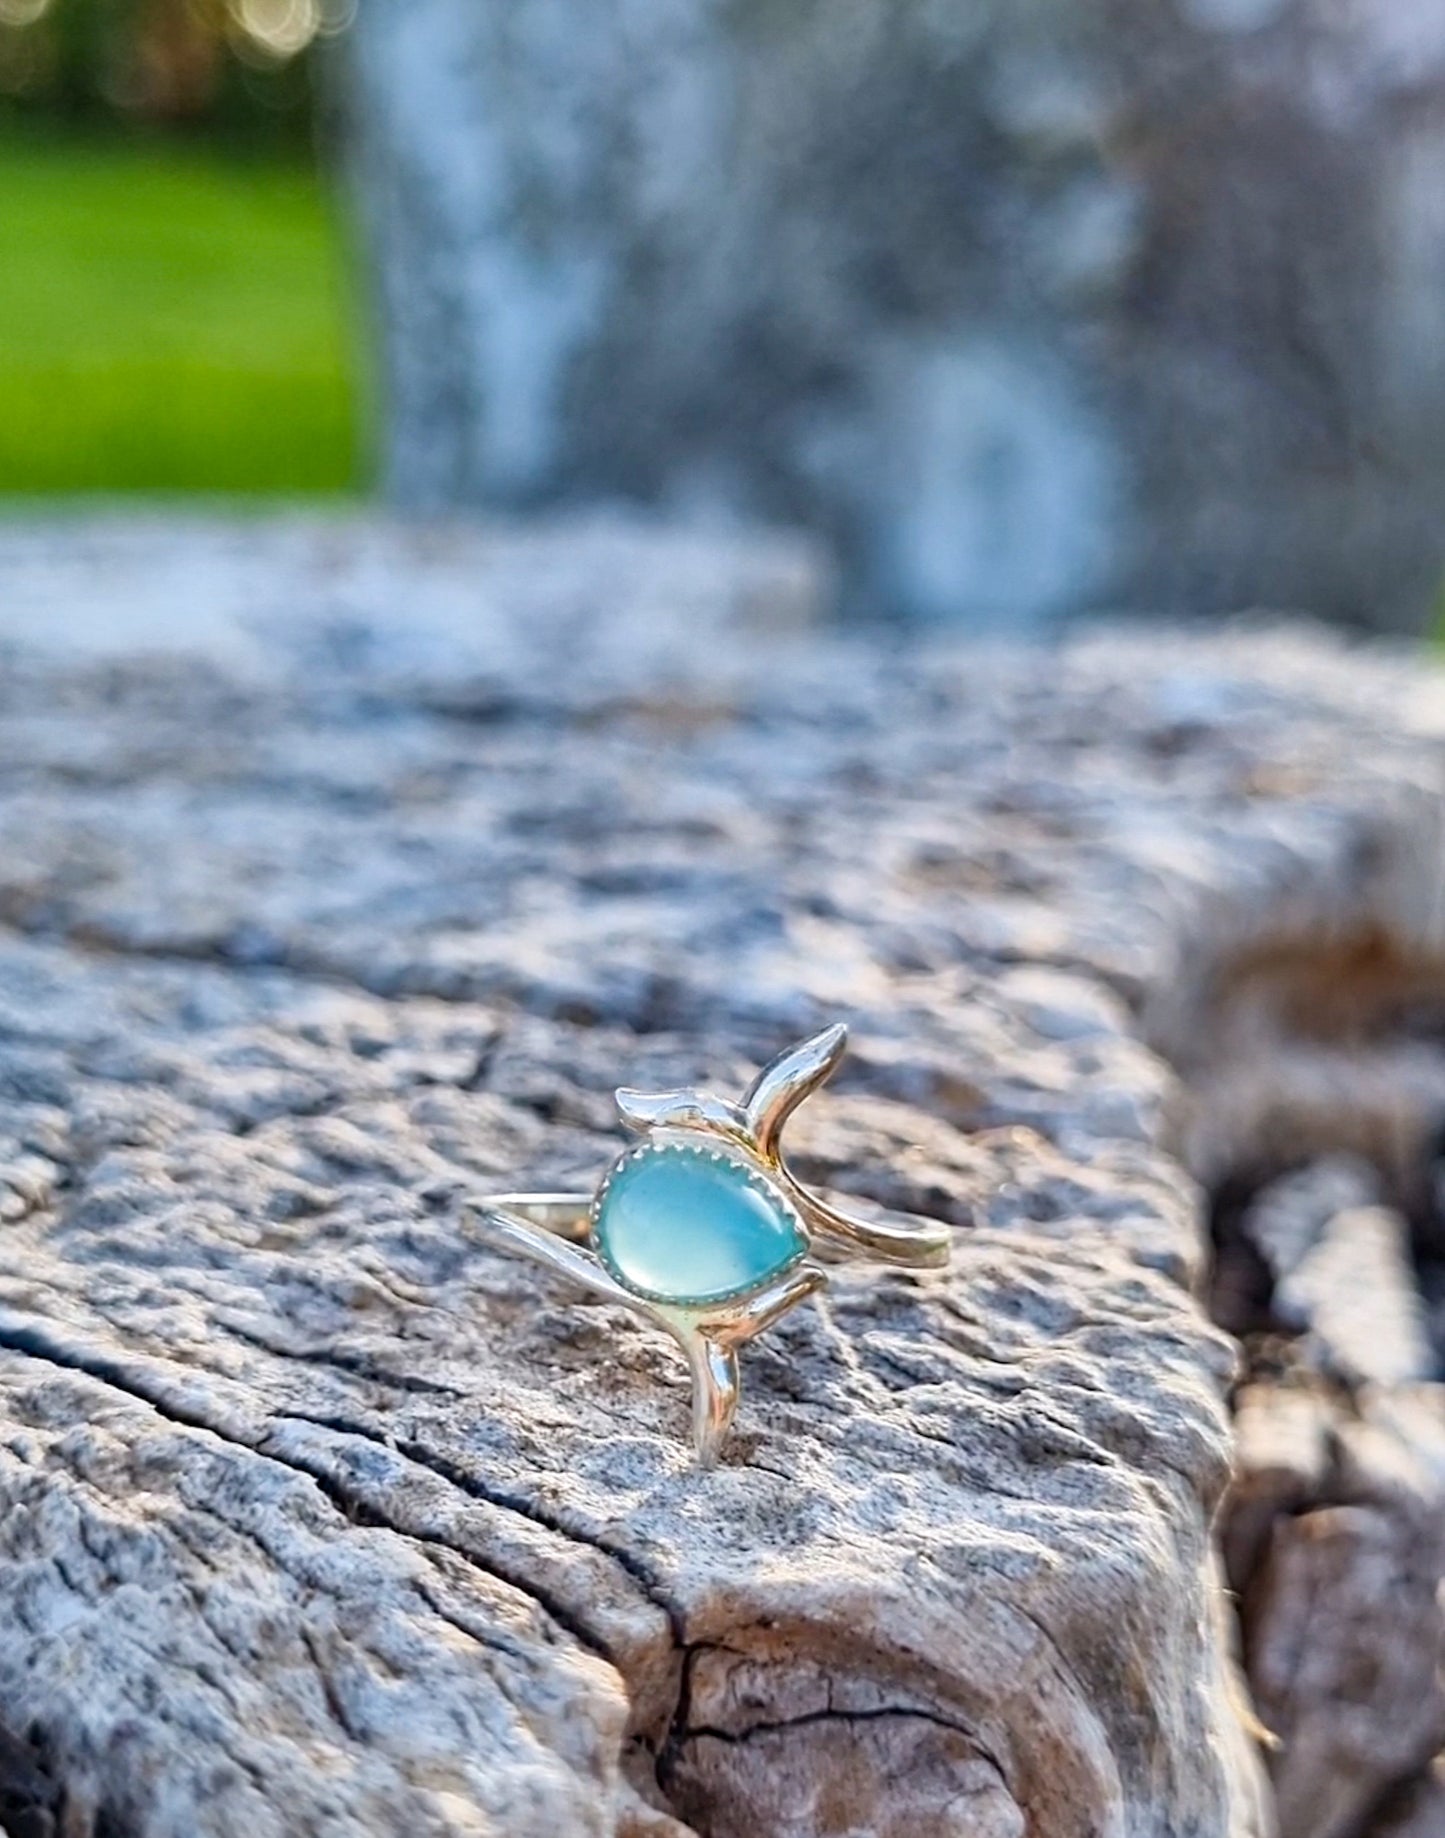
[1027, 309]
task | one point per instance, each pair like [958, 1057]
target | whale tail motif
[782, 1085]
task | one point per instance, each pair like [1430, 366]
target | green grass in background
[171, 319]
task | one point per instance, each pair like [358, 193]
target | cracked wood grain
[319, 1517]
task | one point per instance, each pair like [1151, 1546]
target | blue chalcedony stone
[685, 1225]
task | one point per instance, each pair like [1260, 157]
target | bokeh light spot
[22, 12]
[281, 28]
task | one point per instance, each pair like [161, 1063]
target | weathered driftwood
[1417, 1810]
[1334, 1541]
[321, 1518]
[1339, 1271]
[1335, 1533]
[1334, 1525]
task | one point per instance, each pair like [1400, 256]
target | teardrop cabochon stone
[692, 1224]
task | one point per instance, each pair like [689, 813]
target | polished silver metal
[556, 1229]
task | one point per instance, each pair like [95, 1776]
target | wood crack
[808, 1719]
[35, 1344]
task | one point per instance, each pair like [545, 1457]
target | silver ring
[703, 1228]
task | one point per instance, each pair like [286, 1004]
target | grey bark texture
[1023, 309]
[1310, 1033]
[361, 894]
